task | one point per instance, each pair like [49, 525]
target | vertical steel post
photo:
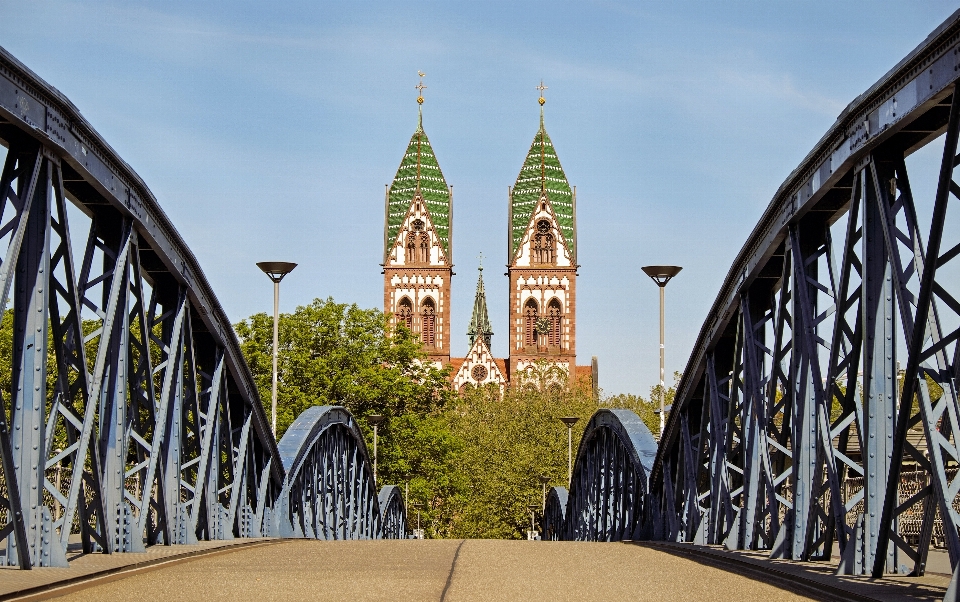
[30, 373]
[276, 342]
[663, 415]
[879, 371]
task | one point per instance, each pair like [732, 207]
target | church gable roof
[493, 369]
[396, 253]
[480, 320]
[419, 170]
[541, 173]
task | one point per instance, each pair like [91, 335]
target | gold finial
[541, 87]
[420, 87]
[481, 260]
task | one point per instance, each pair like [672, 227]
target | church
[541, 267]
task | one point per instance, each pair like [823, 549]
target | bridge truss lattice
[819, 406]
[128, 416]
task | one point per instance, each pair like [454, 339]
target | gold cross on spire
[420, 87]
[480, 256]
[541, 87]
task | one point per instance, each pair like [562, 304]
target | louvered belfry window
[428, 323]
[554, 314]
[405, 313]
[530, 315]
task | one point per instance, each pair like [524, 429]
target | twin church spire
[541, 240]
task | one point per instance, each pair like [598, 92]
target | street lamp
[661, 274]
[569, 421]
[375, 420]
[544, 481]
[275, 270]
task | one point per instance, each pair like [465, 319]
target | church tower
[418, 245]
[542, 260]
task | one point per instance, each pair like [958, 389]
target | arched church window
[530, 315]
[423, 255]
[405, 313]
[554, 313]
[418, 243]
[428, 323]
[543, 243]
[411, 255]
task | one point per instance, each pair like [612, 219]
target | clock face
[543, 326]
[479, 373]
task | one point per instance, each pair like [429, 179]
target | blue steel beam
[152, 431]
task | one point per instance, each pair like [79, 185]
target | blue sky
[268, 130]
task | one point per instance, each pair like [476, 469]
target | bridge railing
[128, 416]
[791, 426]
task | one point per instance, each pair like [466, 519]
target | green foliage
[508, 444]
[646, 408]
[338, 354]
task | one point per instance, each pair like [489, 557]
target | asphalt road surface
[441, 570]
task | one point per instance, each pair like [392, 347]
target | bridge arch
[554, 513]
[153, 432]
[393, 513]
[608, 489]
[329, 492]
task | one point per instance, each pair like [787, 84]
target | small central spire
[480, 320]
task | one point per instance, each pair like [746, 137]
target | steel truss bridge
[133, 419]
[792, 429]
[130, 416]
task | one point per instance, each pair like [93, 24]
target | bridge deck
[455, 570]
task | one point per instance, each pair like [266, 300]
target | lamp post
[375, 420]
[544, 481]
[661, 274]
[569, 421]
[275, 270]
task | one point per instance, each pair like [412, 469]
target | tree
[339, 354]
[508, 443]
[646, 408]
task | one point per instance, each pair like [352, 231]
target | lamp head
[570, 420]
[376, 419]
[661, 274]
[276, 270]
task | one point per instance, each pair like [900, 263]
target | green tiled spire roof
[541, 172]
[419, 170]
[480, 321]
